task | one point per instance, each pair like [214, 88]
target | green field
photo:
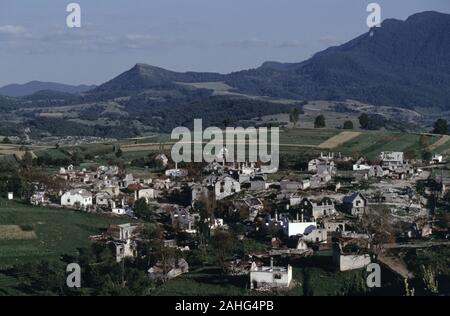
[58, 231]
[370, 144]
[315, 275]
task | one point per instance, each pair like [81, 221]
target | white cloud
[12, 30]
[248, 43]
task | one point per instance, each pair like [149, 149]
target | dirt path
[441, 141]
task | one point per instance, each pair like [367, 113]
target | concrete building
[226, 186]
[392, 159]
[270, 277]
[349, 259]
[316, 209]
[77, 198]
[103, 199]
[148, 194]
[355, 204]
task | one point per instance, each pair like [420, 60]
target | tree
[440, 127]
[119, 153]
[424, 141]
[430, 280]
[427, 155]
[223, 244]
[364, 121]
[27, 159]
[6, 140]
[320, 121]
[348, 125]
[376, 223]
[294, 116]
[142, 210]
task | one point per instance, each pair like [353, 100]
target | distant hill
[143, 76]
[20, 90]
[403, 63]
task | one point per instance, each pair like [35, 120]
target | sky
[181, 35]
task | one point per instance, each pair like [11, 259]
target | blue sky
[201, 35]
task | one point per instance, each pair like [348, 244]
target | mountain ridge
[31, 87]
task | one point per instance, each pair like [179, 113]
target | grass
[204, 282]
[306, 136]
[371, 144]
[15, 232]
[314, 275]
[58, 231]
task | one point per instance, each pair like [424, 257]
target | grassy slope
[59, 231]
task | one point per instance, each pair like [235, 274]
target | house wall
[67, 199]
[267, 278]
[352, 262]
[300, 228]
[226, 187]
[147, 194]
[323, 210]
[318, 235]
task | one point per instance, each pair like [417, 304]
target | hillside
[20, 90]
[403, 64]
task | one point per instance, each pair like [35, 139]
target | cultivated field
[338, 140]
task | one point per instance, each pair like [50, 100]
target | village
[357, 209]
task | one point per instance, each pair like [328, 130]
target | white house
[392, 159]
[77, 197]
[359, 167]
[148, 194]
[226, 186]
[349, 260]
[299, 227]
[437, 158]
[270, 277]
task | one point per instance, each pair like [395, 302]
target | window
[277, 276]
